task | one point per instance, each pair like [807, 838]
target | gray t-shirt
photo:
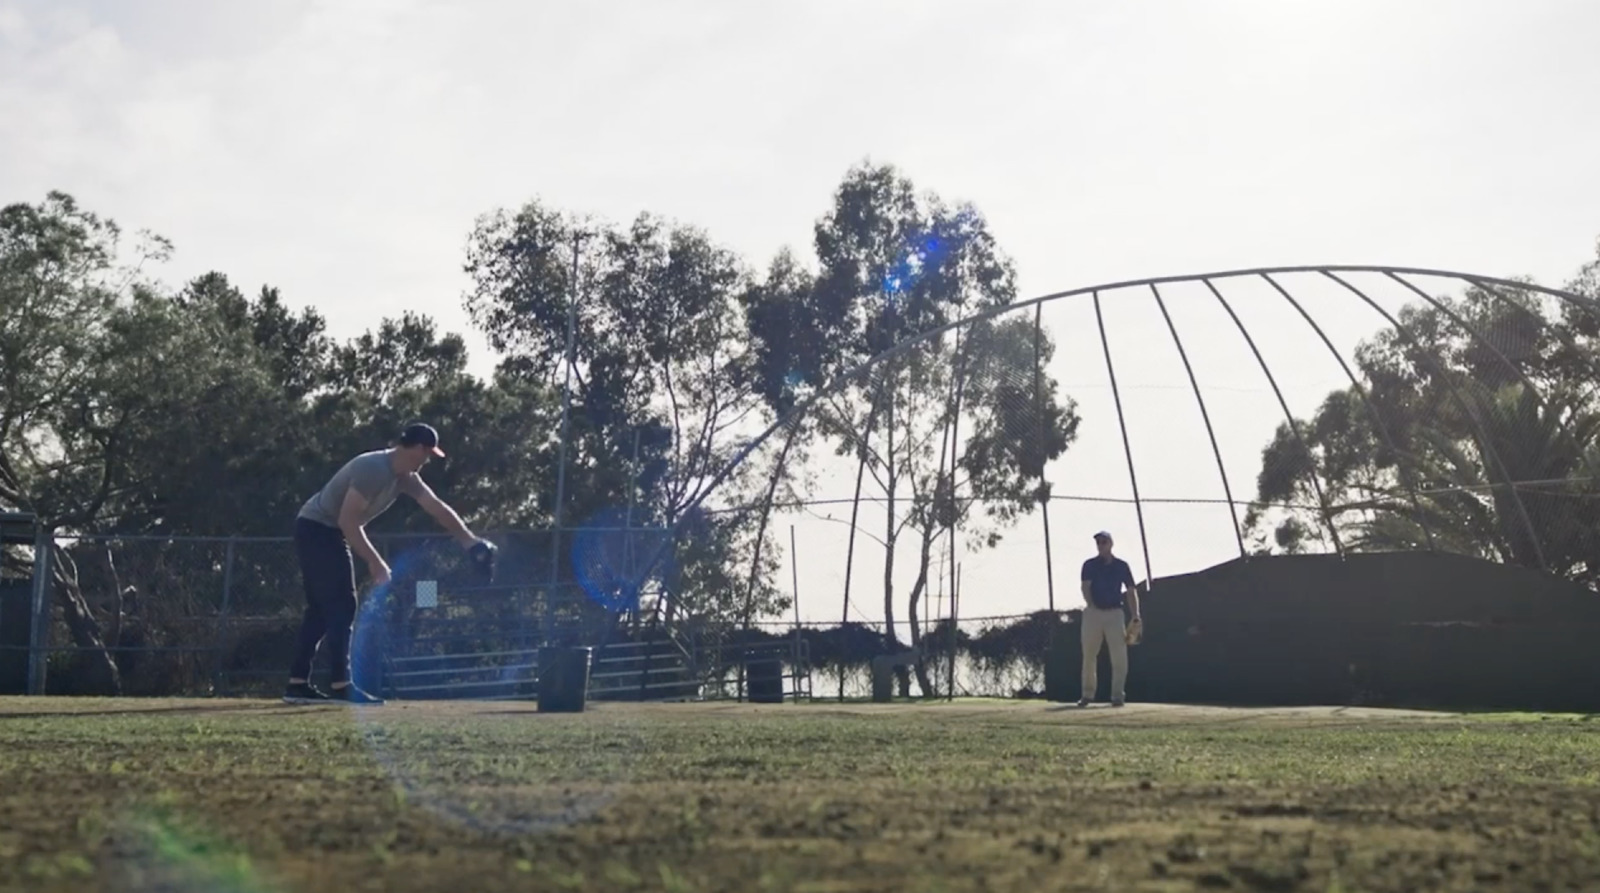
[371, 474]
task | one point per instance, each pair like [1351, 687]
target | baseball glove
[1135, 631]
[482, 556]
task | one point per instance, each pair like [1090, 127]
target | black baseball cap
[418, 434]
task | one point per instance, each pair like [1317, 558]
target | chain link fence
[201, 616]
[219, 615]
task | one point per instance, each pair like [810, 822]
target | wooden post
[39, 635]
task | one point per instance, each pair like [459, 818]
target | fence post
[220, 640]
[39, 635]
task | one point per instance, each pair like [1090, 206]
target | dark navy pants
[329, 573]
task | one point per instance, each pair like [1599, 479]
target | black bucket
[882, 684]
[564, 679]
[1063, 666]
[765, 681]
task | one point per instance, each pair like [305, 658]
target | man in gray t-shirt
[372, 475]
[330, 526]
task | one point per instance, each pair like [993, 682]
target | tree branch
[703, 445]
[677, 421]
[86, 515]
[743, 414]
[10, 484]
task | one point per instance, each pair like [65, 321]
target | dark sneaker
[354, 695]
[1083, 702]
[303, 693]
[1118, 702]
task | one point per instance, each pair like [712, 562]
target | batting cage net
[938, 500]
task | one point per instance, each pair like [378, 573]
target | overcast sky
[340, 149]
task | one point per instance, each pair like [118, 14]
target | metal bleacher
[660, 669]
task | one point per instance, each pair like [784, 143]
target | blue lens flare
[469, 660]
[614, 560]
[923, 254]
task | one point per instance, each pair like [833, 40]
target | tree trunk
[891, 638]
[941, 513]
[917, 590]
[761, 528]
[855, 513]
[102, 676]
[115, 639]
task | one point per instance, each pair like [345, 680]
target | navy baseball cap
[419, 434]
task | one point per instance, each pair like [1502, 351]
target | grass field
[976, 795]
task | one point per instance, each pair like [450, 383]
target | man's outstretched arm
[446, 517]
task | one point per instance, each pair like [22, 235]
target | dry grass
[256, 796]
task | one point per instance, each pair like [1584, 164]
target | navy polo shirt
[1106, 579]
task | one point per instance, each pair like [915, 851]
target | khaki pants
[1108, 625]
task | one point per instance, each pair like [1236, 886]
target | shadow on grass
[264, 707]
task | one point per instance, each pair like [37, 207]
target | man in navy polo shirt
[1106, 580]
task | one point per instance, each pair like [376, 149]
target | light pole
[561, 462]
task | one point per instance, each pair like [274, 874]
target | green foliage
[939, 424]
[133, 408]
[663, 394]
[58, 304]
[1493, 435]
